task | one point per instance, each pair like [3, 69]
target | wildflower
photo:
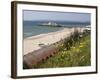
[81, 43]
[77, 50]
[81, 46]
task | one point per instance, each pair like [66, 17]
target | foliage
[73, 51]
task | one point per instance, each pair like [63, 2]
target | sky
[29, 15]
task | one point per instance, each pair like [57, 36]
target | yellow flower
[81, 46]
[77, 50]
[82, 43]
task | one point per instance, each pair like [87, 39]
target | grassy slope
[78, 55]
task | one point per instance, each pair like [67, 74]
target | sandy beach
[32, 43]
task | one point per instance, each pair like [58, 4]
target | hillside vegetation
[73, 51]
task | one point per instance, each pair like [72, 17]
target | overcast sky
[55, 16]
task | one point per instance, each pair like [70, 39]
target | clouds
[55, 16]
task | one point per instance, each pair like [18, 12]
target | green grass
[77, 55]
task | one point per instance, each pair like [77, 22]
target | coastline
[32, 43]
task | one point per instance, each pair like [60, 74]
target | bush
[70, 41]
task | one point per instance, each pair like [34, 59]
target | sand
[32, 43]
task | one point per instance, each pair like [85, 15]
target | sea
[33, 28]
